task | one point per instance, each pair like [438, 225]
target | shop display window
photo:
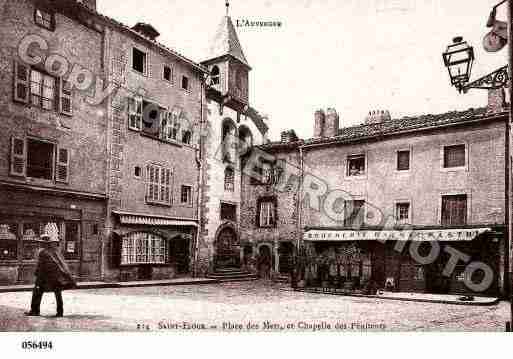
[8, 241]
[144, 248]
[30, 239]
[71, 241]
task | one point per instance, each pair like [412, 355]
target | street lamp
[459, 58]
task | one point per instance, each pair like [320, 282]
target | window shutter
[21, 82]
[275, 211]
[135, 111]
[148, 184]
[258, 209]
[164, 114]
[66, 98]
[62, 166]
[168, 186]
[18, 157]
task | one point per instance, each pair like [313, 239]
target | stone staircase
[282, 279]
[232, 275]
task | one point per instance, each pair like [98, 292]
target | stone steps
[232, 275]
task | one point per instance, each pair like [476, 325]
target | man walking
[52, 273]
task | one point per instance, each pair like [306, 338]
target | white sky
[354, 55]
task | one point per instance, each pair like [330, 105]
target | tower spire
[227, 8]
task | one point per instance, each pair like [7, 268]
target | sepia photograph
[227, 166]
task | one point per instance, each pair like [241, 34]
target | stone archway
[227, 248]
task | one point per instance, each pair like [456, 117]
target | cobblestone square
[235, 307]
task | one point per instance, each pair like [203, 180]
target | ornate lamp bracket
[495, 80]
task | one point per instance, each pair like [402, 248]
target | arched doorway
[227, 248]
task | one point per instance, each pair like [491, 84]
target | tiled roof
[396, 126]
[160, 45]
[226, 42]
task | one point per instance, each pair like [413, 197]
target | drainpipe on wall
[300, 200]
[199, 160]
[109, 116]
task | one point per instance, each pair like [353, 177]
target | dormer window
[44, 19]
[216, 76]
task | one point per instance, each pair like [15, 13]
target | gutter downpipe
[199, 160]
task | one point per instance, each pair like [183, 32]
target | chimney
[288, 136]
[332, 123]
[496, 100]
[91, 4]
[146, 30]
[320, 118]
[377, 116]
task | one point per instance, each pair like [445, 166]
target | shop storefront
[415, 261]
[150, 248]
[23, 217]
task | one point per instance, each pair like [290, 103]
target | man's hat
[50, 233]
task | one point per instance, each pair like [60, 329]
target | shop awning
[132, 218]
[419, 235]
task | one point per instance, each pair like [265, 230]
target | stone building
[154, 119]
[233, 127]
[53, 141]
[409, 204]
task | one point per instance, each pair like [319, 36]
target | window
[228, 212]
[402, 212]
[454, 210]
[229, 179]
[42, 90]
[71, 243]
[354, 213]
[44, 19]
[186, 195]
[137, 172]
[267, 213]
[39, 89]
[8, 240]
[403, 160]
[216, 76]
[139, 61]
[187, 137]
[158, 185]
[185, 83]
[356, 165]
[39, 159]
[168, 73]
[36, 159]
[228, 141]
[454, 156]
[144, 248]
[135, 113]
[152, 118]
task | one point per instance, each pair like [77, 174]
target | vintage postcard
[282, 166]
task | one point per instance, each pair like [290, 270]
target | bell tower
[228, 66]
